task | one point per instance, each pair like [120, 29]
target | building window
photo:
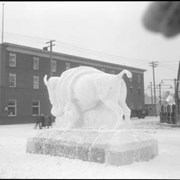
[112, 71]
[12, 80]
[54, 65]
[35, 82]
[11, 107]
[68, 65]
[35, 63]
[35, 107]
[12, 59]
[139, 90]
[102, 69]
[139, 78]
[131, 105]
[131, 90]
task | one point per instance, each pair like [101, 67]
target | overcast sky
[107, 31]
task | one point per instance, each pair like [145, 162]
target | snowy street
[16, 163]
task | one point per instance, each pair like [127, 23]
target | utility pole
[151, 94]
[45, 48]
[2, 22]
[176, 84]
[160, 93]
[154, 64]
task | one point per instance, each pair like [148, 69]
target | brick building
[23, 94]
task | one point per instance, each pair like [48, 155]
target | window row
[12, 63]
[12, 81]
[12, 107]
[138, 90]
[138, 78]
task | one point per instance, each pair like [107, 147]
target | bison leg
[114, 107]
[57, 110]
[126, 111]
[71, 115]
[122, 103]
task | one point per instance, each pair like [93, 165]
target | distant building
[23, 94]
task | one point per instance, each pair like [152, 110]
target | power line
[90, 52]
[24, 39]
[27, 36]
[170, 62]
[85, 53]
[80, 48]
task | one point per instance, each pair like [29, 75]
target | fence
[167, 114]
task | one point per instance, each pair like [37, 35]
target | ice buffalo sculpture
[85, 97]
[92, 120]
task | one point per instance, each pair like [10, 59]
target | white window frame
[12, 80]
[36, 106]
[112, 71]
[54, 66]
[35, 82]
[103, 69]
[131, 106]
[35, 63]
[12, 60]
[10, 106]
[68, 65]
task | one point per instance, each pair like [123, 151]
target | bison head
[51, 84]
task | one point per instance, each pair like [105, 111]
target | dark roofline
[73, 56]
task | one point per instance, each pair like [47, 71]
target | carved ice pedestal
[111, 147]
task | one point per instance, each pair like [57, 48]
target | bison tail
[128, 73]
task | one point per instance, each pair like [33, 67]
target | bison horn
[45, 80]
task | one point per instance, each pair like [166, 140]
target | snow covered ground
[16, 163]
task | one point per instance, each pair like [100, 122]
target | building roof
[66, 57]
